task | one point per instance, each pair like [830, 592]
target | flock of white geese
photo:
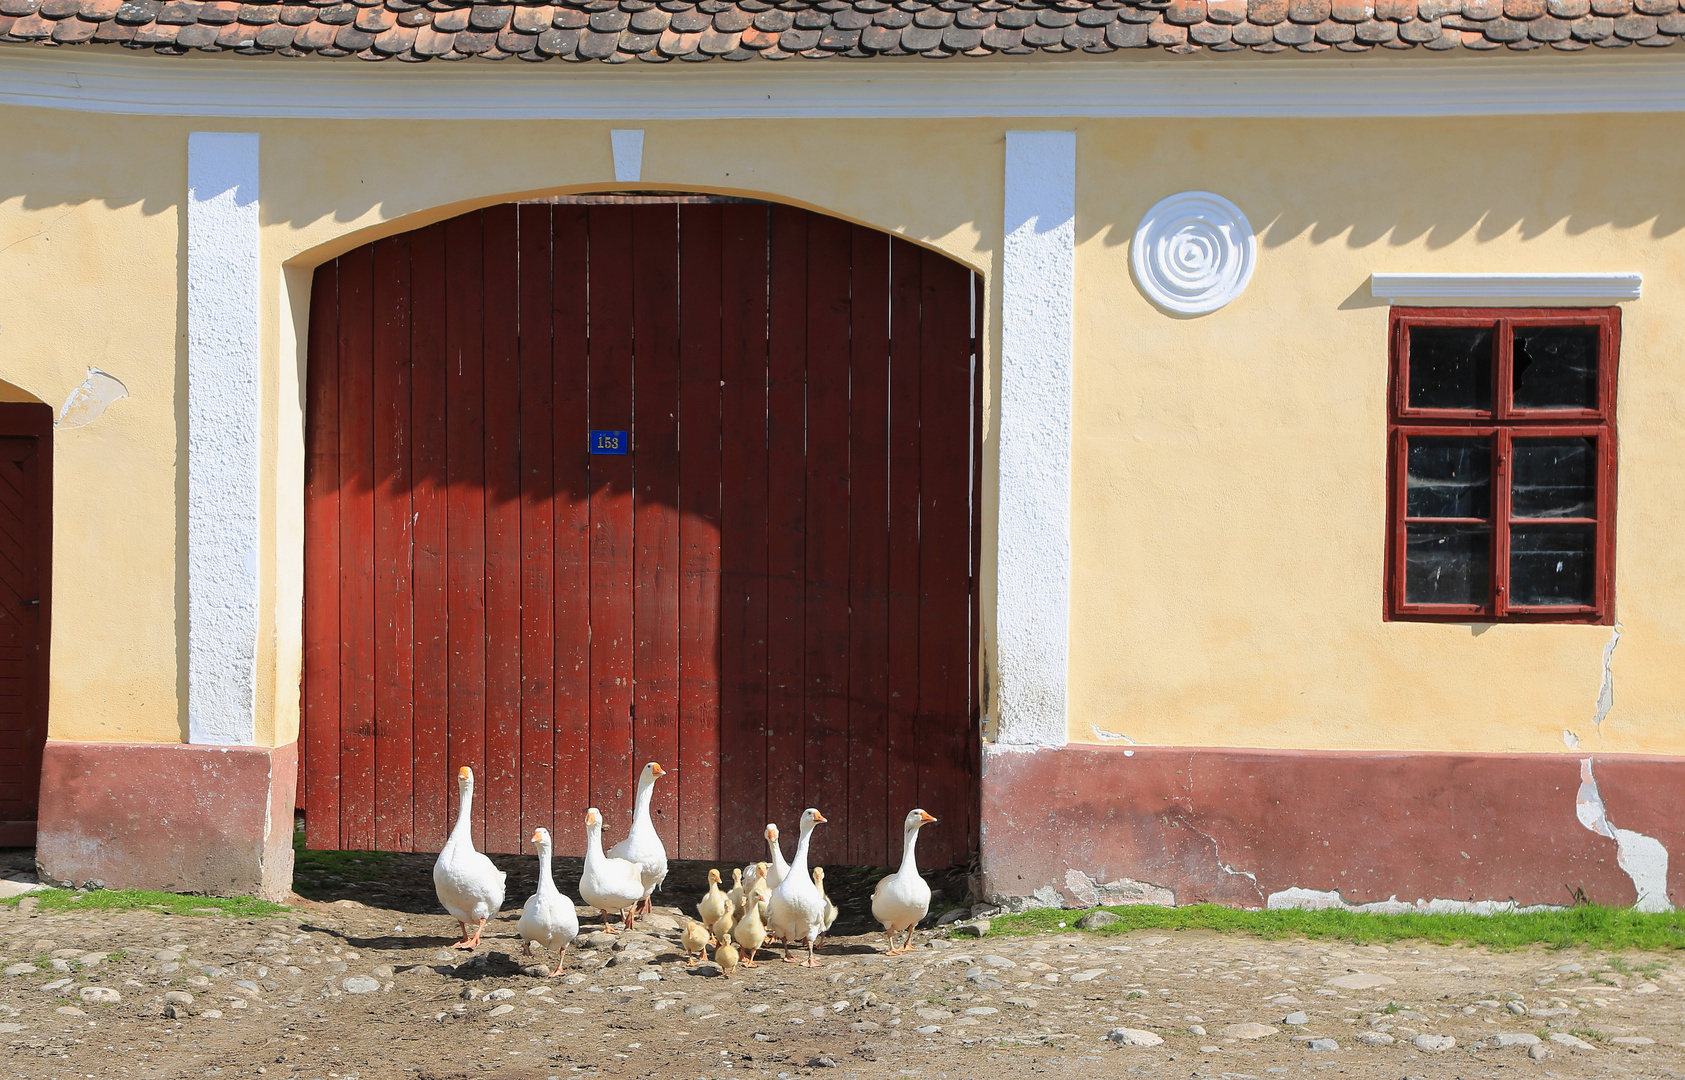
[768, 900]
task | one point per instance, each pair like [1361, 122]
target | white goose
[608, 884]
[903, 898]
[777, 867]
[548, 919]
[642, 845]
[469, 886]
[797, 909]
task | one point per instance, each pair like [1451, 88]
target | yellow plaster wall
[1228, 520]
[1227, 523]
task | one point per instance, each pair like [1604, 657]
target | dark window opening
[1501, 477]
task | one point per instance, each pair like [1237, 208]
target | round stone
[1499, 1042]
[360, 984]
[1247, 1031]
[1360, 981]
[1433, 1044]
[1134, 1037]
[100, 995]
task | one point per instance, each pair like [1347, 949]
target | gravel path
[340, 990]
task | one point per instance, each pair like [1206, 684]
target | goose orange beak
[465, 773]
[818, 818]
[537, 836]
[659, 771]
[926, 818]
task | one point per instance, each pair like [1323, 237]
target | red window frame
[1503, 422]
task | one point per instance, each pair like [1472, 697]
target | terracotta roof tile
[659, 31]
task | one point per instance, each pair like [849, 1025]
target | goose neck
[798, 865]
[646, 789]
[462, 833]
[909, 865]
[546, 884]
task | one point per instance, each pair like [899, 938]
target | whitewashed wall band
[1193, 252]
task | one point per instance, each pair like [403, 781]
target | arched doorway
[771, 590]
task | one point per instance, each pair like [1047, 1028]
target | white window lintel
[1418, 288]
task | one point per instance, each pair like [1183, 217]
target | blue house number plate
[610, 442]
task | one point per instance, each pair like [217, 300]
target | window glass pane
[1553, 565]
[1555, 367]
[1554, 478]
[1447, 564]
[1451, 367]
[1449, 477]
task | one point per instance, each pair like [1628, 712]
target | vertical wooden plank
[572, 586]
[655, 464]
[700, 315]
[743, 531]
[944, 554]
[501, 789]
[974, 633]
[826, 764]
[901, 776]
[786, 511]
[356, 583]
[430, 584]
[321, 564]
[868, 572]
[613, 778]
[465, 526]
[538, 613]
[394, 668]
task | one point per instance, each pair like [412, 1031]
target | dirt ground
[356, 984]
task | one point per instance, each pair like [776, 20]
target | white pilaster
[222, 437]
[627, 146]
[1032, 609]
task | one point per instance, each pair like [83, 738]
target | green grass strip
[1587, 926]
[243, 907]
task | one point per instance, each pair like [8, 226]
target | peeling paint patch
[1090, 893]
[1570, 740]
[1296, 899]
[1217, 857]
[1643, 858]
[89, 401]
[1606, 688]
[1111, 736]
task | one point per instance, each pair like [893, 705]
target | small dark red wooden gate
[26, 544]
[772, 594]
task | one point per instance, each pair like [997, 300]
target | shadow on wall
[1391, 181]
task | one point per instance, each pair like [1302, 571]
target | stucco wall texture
[1227, 511]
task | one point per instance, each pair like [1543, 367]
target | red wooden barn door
[771, 594]
[26, 535]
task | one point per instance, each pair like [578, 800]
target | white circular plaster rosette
[1193, 252]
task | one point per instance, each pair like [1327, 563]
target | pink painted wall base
[215, 820]
[1085, 825]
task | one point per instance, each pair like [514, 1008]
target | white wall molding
[101, 80]
[222, 437]
[1033, 542]
[1193, 252]
[628, 148]
[1422, 288]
